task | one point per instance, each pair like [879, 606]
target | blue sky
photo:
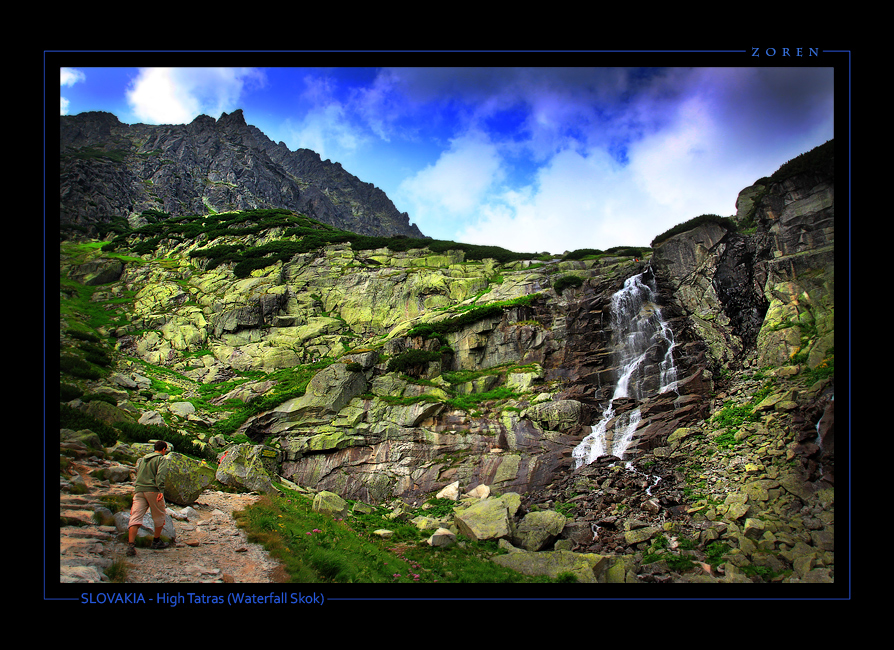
[531, 159]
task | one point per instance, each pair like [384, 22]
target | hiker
[148, 494]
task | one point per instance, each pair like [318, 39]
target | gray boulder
[118, 474]
[96, 272]
[147, 526]
[558, 415]
[538, 529]
[328, 392]
[490, 518]
[246, 466]
[185, 478]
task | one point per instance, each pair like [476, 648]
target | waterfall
[643, 346]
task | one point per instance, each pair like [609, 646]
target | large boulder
[490, 518]
[107, 413]
[328, 392]
[331, 504]
[185, 478]
[585, 567]
[83, 439]
[558, 415]
[538, 529]
[147, 525]
[98, 271]
[246, 466]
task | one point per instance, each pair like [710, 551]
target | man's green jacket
[150, 477]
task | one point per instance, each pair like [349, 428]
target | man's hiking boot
[131, 550]
[157, 544]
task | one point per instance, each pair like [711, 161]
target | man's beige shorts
[143, 501]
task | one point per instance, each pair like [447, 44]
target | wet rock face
[738, 281]
[766, 286]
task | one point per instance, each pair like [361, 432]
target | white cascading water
[637, 328]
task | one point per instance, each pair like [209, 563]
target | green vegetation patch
[291, 383]
[300, 234]
[410, 359]
[315, 548]
[566, 281]
[88, 153]
[440, 329]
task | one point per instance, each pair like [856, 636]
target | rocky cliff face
[383, 373]
[109, 169]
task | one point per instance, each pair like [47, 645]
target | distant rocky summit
[110, 169]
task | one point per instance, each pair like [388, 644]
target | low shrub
[406, 361]
[581, 253]
[67, 392]
[71, 418]
[134, 432]
[77, 367]
[566, 281]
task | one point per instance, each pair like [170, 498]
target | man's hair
[160, 444]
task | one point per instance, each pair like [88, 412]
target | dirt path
[209, 546]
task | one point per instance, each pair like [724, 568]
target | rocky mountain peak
[236, 117]
[110, 170]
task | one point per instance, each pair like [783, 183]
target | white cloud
[326, 126]
[383, 104]
[672, 166]
[179, 95]
[452, 189]
[621, 156]
[578, 201]
[68, 77]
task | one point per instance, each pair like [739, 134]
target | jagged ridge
[110, 169]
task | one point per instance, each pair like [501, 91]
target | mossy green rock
[537, 529]
[328, 392]
[638, 535]
[488, 519]
[584, 566]
[558, 414]
[185, 478]
[86, 437]
[245, 466]
[330, 503]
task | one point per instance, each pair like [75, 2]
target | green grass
[291, 383]
[566, 281]
[440, 329]
[469, 402]
[731, 417]
[315, 548]
[300, 235]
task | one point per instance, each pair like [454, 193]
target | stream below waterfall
[643, 349]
